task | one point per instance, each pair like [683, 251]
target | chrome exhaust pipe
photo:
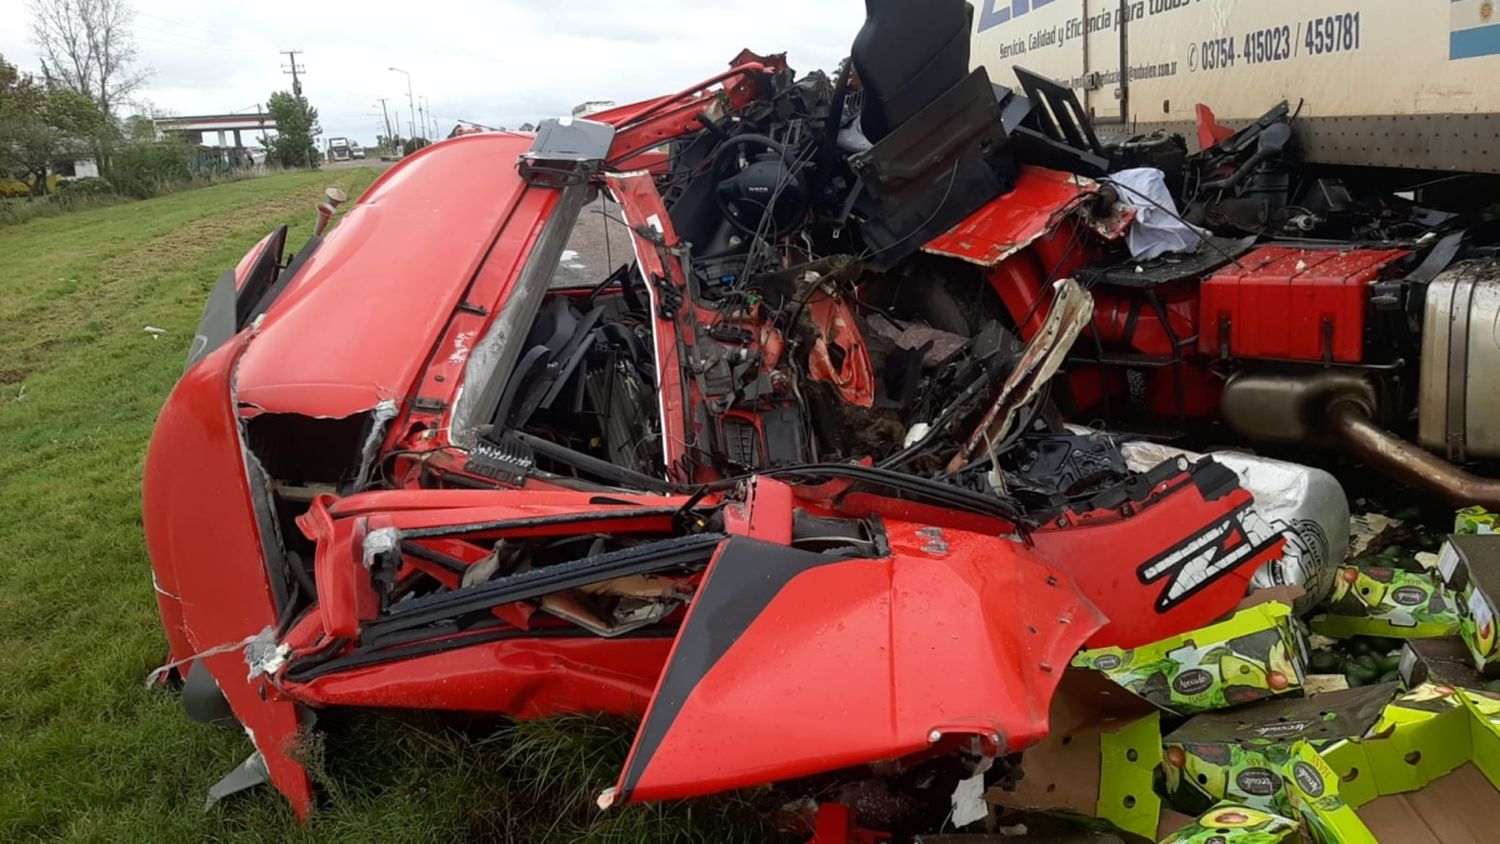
[1351, 426]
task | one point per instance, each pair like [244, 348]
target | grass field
[87, 752]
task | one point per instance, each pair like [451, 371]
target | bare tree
[87, 46]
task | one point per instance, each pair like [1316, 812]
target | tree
[87, 46]
[138, 128]
[296, 126]
[42, 126]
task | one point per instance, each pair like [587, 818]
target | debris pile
[905, 406]
[1259, 730]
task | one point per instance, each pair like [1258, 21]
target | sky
[495, 62]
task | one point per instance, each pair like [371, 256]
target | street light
[411, 101]
[431, 120]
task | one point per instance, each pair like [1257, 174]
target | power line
[182, 25]
[185, 36]
[186, 46]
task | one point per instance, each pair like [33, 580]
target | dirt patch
[13, 376]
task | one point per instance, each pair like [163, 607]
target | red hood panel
[792, 663]
[361, 319]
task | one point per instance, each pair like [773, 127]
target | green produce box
[1428, 770]
[1474, 520]
[1255, 655]
[1312, 791]
[1469, 566]
[1228, 823]
[1422, 736]
[1237, 756]
[1387, 602]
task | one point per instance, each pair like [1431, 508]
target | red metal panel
[523, 678]
[1175, 561]
[852, 661]
[643, 210]
[1012, 222]
[213, 585]
[392, 272]
[1292, 303]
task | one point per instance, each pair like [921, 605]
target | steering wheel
[759, 184]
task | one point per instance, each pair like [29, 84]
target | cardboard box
[1312, 792]
[1474, 520]
[1431, 768]
[1228, 823]
[1469, 566]
[1099, 758]
[1238, 756]
[1440, 661]
[1387, 602]
[1421, 736]
[1255, 655]
[1422, 767]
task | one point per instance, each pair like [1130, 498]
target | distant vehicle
[340, 149]
[357, 151]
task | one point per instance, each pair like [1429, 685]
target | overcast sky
[498, 62]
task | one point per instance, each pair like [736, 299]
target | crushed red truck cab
[791, 478]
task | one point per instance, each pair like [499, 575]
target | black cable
[952, 180]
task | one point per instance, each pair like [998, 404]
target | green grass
[87, 753]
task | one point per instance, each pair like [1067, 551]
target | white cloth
[1157, 229]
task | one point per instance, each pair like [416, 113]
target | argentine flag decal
[1475, 29]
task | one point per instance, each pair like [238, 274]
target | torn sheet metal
[1072, 309]
[1001, 229]
[758, 664]
[245, 776]
[1306, 505]
[369, 455]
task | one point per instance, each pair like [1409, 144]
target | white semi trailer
[1410, 84]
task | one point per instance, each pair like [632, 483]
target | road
[599, 245]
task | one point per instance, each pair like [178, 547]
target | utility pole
[411, 102]
[294, 69]
[389, 138]
[423, 114]
[431, 119]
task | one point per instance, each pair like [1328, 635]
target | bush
[146, 169]
[14, 189]
[86, 186]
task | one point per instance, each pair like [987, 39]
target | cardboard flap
[1328, 717]
[1252, 656]
[1476, 581]
[1443, 661]
[1313, 791]
[1099, 759]
[1422, 736]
